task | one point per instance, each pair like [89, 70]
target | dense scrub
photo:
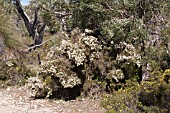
[117, 50]
[149, 96]
[13, 71]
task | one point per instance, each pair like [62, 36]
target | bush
[155, 97]
[124, 100]
[149, 96]
[54, 76]
[68, 66]
[13, 71]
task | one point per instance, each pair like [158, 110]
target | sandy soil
[16, 100]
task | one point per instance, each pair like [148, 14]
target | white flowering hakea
[78, 51]
[37, 88]
[73, 51]
[116, 74]
[56, 71]
[56, 68]
[91, 42]
[53, 74]
[129, 54]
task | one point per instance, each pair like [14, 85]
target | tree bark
[24, 17]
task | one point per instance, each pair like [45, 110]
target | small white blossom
[9, 63]
[116, 74]
[129, 53]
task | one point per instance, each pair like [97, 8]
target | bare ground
[16, 100]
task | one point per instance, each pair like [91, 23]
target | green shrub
[155, 97]
[14, 72]
[149, 96]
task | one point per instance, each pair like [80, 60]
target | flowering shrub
[61, 71]
[129, 54]
[67, 78]
[13, 71]
[86, 47]
[73, 51]
[54, 74]
[116, 74]
[37, 88]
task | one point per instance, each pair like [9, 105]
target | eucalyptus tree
[34, 27]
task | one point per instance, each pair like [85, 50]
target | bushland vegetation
[118, 51]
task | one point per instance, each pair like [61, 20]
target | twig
[109, 6]
[61, 14]
[111, 9]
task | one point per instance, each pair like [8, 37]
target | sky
[25, 2]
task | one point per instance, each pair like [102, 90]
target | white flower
[9, 63]
[116, 74]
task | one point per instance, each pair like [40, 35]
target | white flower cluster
[129, 53]
[9, 63]
[50, 54]
[37, 88]
[68, 81]
[121, 21]
[78, 51]
[9, 59]
[116, 74]
[94, 55]
[74, 51]
[91, 42]
[77, 54]
[48, 67]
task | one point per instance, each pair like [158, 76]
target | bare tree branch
[35, 46]
[34, 25]
[60, 14]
